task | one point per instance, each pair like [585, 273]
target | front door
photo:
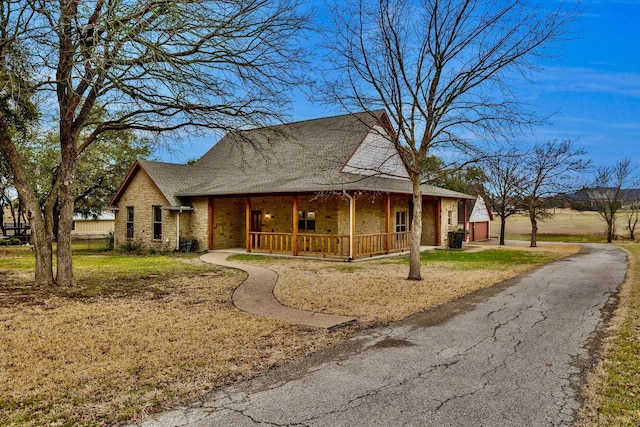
[256, 221]
[256, 226]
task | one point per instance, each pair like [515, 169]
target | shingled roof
[308, 156]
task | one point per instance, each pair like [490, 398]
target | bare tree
[632, 220]
[160, 67]
[551, 168]
[505, 181]
[439, 68]
[610, 195]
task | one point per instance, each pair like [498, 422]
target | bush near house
[10, 242]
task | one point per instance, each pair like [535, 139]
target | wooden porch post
[464, 219]
[438, 222]
[294, 243]
[352, 214]
[248, 223]
[387, 224]
[211, 225]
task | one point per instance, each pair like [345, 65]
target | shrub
[110, 241]
[134, 246]
[14, 241]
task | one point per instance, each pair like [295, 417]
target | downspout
[351, 236]
[178, 230]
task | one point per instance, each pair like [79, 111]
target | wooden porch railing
[375, 244]
[329, 244]
[400, 241]
[324, 244]
[271, 242]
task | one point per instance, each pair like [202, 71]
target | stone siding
[142, 195]
[229, 223]
[448, 219]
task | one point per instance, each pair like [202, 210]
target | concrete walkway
[255, 296]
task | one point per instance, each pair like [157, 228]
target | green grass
[618, 400]
[248, 257]
[100, 272]
[502, 259]
[568, 238]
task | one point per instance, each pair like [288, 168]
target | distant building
[588, 199]
[93, 226]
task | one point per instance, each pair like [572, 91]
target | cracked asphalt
[512, 355]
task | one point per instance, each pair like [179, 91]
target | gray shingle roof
[305, 156]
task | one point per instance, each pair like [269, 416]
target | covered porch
[345, 225]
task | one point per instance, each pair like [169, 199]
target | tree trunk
[66, 200]
[416, 229]
[611, 228]
[632, 225]
[503, 227]
[41, 237]
[40, 231]
[534, 230]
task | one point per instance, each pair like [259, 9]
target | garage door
[479, 231]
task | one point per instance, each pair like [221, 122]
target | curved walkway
[255, 296]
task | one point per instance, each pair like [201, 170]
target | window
[307, 220]
[450, 217]
[401, 221]
[157, 223]
[129, 222]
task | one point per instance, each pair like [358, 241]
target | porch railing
[324, 244]
[375, 244]
[400, 241]
[329, 244]
[271, 242]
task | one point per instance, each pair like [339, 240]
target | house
[593, 198]
[325, 187]
[480, 221]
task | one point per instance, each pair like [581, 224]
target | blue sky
[591, 83]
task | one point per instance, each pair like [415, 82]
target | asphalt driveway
[512, 355]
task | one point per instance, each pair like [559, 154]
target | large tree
[156, 66]
[551, 167]
[441, 70]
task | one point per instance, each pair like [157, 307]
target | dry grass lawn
[102, 359]
[378, 291]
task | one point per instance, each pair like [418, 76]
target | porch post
[248, 223]
[352, 223]
[464, 219]
[178, 230]
[438, 222]
[211, 238]
[387, 225]
[294, 243]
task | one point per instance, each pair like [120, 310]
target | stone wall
[449, 219]
[228, 222]
[142, 195]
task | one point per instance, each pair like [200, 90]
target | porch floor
[327, 258]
